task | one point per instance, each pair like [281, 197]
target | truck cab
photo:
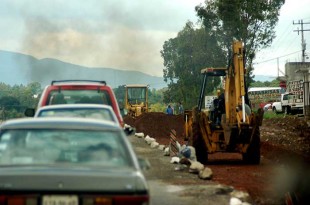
[289, 104]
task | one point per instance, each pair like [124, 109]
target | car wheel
[274, 110]
[287, 110]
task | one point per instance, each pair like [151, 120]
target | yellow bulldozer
[230, 125]
[136, 99]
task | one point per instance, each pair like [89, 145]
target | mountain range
[17, 68]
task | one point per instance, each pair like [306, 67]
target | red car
[79, 92]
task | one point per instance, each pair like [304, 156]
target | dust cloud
[121, 40]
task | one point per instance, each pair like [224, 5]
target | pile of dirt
[158, 125]
[288, 133]
[285, 145]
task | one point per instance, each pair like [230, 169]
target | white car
[267, 107]
[93, 111]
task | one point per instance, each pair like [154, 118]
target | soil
[285, 156]
[158, 125]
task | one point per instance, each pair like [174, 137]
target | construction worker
[169, 110]
[219, 107]
[181, 109]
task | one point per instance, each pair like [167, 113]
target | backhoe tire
[199, 145]
[252, 156]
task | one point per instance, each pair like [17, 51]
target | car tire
[274, 110]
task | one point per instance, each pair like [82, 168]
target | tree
[155, 96]
[184, 56]
[35, 88]
[14, 99]
[156, 100]
[120, 95]
[9, 102]
[273, 83]
[251, 21]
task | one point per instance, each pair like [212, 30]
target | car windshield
[72, 147]
[95, 113]
[79, 96]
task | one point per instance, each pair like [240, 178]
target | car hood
[72, 179]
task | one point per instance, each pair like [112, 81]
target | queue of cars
[73, 152]
[78, 92]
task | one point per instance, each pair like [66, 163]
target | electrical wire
[276, 58]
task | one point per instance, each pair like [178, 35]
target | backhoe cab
[136, 99]
[230, 126]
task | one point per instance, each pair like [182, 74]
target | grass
[269, 114]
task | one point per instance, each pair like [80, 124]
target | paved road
[171, 186]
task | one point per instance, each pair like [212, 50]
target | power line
[276, 58]
[280, 38]
[284, 34]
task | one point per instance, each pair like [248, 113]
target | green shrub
[270, 114]
[158, 107]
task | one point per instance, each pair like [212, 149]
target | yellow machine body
[231, 126]
[136, 99]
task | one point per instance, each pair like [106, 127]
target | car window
[79, 96]
[73, 147]
[94, 113]
[137, 95]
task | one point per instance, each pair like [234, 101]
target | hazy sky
[124, 34]
[286, 47]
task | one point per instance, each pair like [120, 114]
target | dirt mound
[158, 125]
[285, 150]
[289, 133]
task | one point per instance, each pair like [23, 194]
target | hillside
[18, 69]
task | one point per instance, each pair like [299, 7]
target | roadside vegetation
[270, 114]
[14, 99]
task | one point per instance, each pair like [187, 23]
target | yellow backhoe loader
[230, 126]
[136, 99]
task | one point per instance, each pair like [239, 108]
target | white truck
[291, 102]
[209, 101]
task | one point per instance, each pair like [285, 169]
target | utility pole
[303, 42]
[305, 72]
[278, 67]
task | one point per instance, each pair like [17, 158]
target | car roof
[78, 82]
[60, 123]
[47, 108]
[87, 105]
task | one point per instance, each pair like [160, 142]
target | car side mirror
[29, 112]
[144, 163]
[129, 131]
